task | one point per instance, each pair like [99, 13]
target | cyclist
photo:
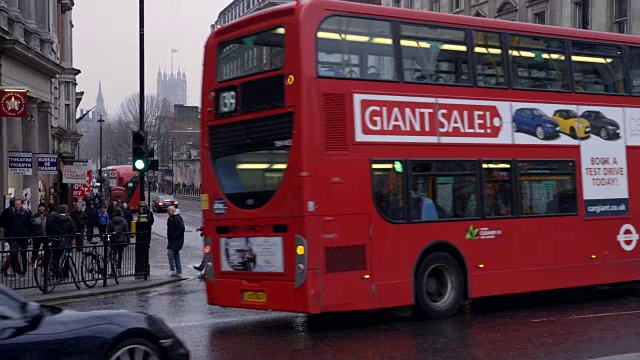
[60, 229]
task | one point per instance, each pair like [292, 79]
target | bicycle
[92, 262]
[66, 263]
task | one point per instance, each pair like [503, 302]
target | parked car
[162, 202]
[572, 124]
[606, 128]
[33, 331]
[535, 122]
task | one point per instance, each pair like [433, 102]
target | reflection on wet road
[577, 324]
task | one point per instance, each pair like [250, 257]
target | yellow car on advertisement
[572, 124]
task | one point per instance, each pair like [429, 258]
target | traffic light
[140, 152]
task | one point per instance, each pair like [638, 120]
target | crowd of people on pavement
[54, 225]
[65, 230]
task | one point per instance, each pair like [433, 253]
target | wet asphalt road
[576, 324]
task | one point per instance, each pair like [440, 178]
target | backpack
[119, 231]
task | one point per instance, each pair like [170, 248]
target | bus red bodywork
[338, 251]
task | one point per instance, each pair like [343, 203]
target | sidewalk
[158, 262]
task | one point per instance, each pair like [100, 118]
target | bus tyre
[439, 286]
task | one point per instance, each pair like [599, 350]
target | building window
[547, 187]
[507, 11]
[540, 18]
[388, 189]
[395, 3]
[443, 189]
[581, 14]
[410, 4]
[621, 16]
[434, 5]
[456, 5]
[69, 117]
[479, 14]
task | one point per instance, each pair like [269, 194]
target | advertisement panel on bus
[601, 133]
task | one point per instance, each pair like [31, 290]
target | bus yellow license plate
[254, 296]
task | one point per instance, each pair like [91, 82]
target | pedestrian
[112, 208]
[203, 262]
[80, 218]
[60, 229]
[118, 228]
[92, 222]
[6, 218]
[19, 241]
[38, 230]
[150, 219]
[126, 213]
[175, 237]
[103, 221]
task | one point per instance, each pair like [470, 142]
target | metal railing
[44, 261]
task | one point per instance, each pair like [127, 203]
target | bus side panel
[346, 259]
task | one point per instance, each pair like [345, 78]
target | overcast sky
[105, 45]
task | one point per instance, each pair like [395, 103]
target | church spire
[100, 109]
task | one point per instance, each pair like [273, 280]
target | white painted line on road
[631, 356]
[588, 316]
[234, 320]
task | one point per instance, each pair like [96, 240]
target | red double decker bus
[126, 184]
[362, 157]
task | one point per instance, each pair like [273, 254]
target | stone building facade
[621, 16]
[178, 152]
[36, 55]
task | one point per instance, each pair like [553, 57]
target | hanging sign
[74, 174]
[47, 164]
[13, 103]
[20, 163]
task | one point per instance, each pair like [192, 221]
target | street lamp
[173, 189]
[100, 121]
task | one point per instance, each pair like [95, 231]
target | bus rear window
[253, 54]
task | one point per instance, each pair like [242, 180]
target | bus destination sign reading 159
[226, 101]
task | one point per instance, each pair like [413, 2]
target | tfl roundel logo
[219, 206]
[628, 237]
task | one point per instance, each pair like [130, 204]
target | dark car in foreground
[33, 331]
[162, 203]
[606, 128]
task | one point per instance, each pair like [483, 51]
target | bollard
[142, 245]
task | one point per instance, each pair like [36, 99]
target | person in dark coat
[126, 213]
[60, 229]
[19, 232]
[92, 222]
[118, 228]
[175, 237]
[80, 219]
[39, 226]
[150, 219]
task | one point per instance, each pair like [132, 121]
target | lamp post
[100, 121]
[172, 157]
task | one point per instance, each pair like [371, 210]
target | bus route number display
[226, 101]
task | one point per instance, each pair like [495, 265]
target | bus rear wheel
[439, 286]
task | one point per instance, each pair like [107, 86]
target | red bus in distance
[127, 179]
[361, 157]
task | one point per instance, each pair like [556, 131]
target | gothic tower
[173, 87]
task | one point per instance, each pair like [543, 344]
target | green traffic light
[139, 164]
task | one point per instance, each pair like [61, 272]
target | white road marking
[632, 356]
[588, 316]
